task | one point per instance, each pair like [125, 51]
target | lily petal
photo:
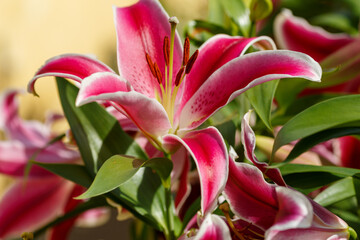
[249, 142]
[72, 66]
[147, 113]
[14, 157]
[322, 224]
[214, 53]
[295, 211]
[31, 133]
[297, 34]
[250, 197]
[241, 74]
[213, 228]
[349, 152]
[209, 152]
[181, 168]
[141, 29]
[28, 205]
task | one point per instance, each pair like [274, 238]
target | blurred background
[32, 31]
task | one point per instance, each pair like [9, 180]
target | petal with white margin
[209, 152]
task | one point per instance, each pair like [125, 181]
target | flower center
[168, 93]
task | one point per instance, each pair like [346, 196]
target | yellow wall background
[31, 31]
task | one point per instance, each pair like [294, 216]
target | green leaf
[308, 142]
[163, 167]
[303, 168]
[337, 192]
[97, 133]
[260, 9]
[73, 172]
[335, 112]
[114, 172]
[239, 13]
[261, 98]
[307, 178]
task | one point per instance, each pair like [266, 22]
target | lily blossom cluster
[164, 96]
[167, 93]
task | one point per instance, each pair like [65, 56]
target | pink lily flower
[331, 50]
[167, 93]
[29, 204]
[280, 212]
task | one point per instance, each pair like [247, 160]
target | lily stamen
[166, 50]
[151, 64]
[191, 62]
[186, 53]
[179, 76]
[158, 74]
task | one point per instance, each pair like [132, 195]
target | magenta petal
[213, 228]
[214, 53]
[29, 205]
[243, 73]
[250, 196]
[295, 211]
[141, 29]
[349, 151]
[209, 152]
[72, 66]
[31, 133]
[297, 34]
[249, 142]
[181, 168]
[147, 113]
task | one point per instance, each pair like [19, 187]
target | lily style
[168, 94]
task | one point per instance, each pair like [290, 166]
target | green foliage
[114, 172]
[322, 116]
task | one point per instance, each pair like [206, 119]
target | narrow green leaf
[308, 142]
[261, 98]
[73, 172]
[310, 181]
[97, 133]
[114, 172]
[303, 168]
[337, 192]
[324, 115]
